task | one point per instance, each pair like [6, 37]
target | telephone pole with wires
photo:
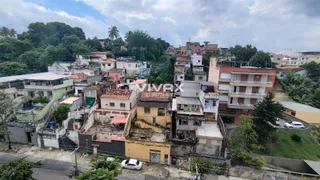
[76, 170]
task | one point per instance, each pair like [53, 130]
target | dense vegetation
[303, 89]
[42, 44]
[249, 55]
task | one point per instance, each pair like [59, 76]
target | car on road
[131, 164]
[294, 125]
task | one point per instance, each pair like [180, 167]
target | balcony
[224, 79]
[240, 106]
[210, 109]
[246, 94]
[65, 84]
[250, 83]
[211, 95]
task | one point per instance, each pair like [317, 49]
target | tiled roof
[210, 47]
[108, 61]
[97, 52]
[79, 76]
[139, 81]
[117, 93]
[154, 96]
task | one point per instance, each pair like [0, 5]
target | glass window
[111, 104]
[147, 110]
[161, 112]
[154, 120]
[122, 105]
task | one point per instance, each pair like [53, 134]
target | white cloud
[169, 20]
[269, 25]
[18, 14]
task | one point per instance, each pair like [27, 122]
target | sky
[270, 25]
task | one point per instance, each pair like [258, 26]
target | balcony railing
[211, 95]
[240, 106]
[247, 94]
[210, 109]
[255, 83]
[65, 84]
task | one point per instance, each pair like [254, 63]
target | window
[198, 61]
[49, 93]
[183, 122]
[111, 104]
[196, 123]
[200, 77]
[109, 64]
[40, 93]
[166, 159]
[154, 121]
[293, 113]
[123, 105]
[185, 105]
[181, 77]
[161, 112]
[147, 110]
[104, 65]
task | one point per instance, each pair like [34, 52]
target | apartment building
[242, 87]
[119, 101]
[308, 56]
[108, 64]
[82, 80]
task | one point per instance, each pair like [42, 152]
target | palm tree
[113, 32]
[13, 33]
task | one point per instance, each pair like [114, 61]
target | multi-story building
[308, 56]
[108, 64]
[196, 59]
[148, 140]
[119, 101]
[82, 80]
[241, 87]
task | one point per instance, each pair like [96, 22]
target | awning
[315, 165]
[119, 120]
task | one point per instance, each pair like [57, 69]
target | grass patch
[284, 145]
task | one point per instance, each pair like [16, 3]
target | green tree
[313, 70]
[299, 87]
[103, 161]
[162, 71]
[12, 48]
[12, 68]
[5, 111]
[243, 54]
[52, 54]
[31, 59]
[316, 99]
[94, 44]
[110, 55]
[79, 33]
[204, 166]
[261, 59]
[7, 33]
[61, 113]
[265, 115]
[206, 59]
[18, 169]
[97, 174]
[113, 32]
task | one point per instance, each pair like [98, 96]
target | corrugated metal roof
[315, 165]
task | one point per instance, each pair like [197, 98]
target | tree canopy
[19, 169]
[244, 54]
[265, 115]
[61, 113]
[45, 43]
[261, 59]
[162, 71]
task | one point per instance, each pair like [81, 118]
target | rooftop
[298, 107]
[108, 61]
[154, 96]
[79, 76]
[115, 70]
[28, 76]
[117, 93]
[139, 81]
[97, 52]
[209, 129]
[45, 77]
[70, 100]
[188, 101]
[146, 135]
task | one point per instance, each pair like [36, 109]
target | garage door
[154, 157]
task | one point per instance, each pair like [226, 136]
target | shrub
[41, 99]
[296, 138]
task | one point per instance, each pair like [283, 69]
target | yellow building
[145, 143]
[303, 112]
[153, 108]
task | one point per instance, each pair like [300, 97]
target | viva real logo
[160, 87]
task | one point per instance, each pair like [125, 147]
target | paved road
[50, 170]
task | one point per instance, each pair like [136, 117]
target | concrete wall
[141, 150]
[144, 125]
[19, 135]
[309, 117]
[73, 136]
[200, 78]
[105, 103]
[106, 67]
[113, 148]
[214, 71]
[296, 165]
[148, 117]
[48, 142]
[196, 59]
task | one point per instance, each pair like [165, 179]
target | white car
[294, 125]
[131, 164]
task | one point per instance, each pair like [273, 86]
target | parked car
[294, 125]
[131, 164]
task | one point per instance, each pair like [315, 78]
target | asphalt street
[50, 170]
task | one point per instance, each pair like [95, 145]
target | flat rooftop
[209, 129]
[70, 100]
[34, 76]
[188, 101]
[154, 96]
[298, 107]
[117, 93]
[146, 135]
[106, 130]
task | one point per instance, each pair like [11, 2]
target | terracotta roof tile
[117, 93]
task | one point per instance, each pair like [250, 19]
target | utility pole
[76, 171]
[197, 174]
